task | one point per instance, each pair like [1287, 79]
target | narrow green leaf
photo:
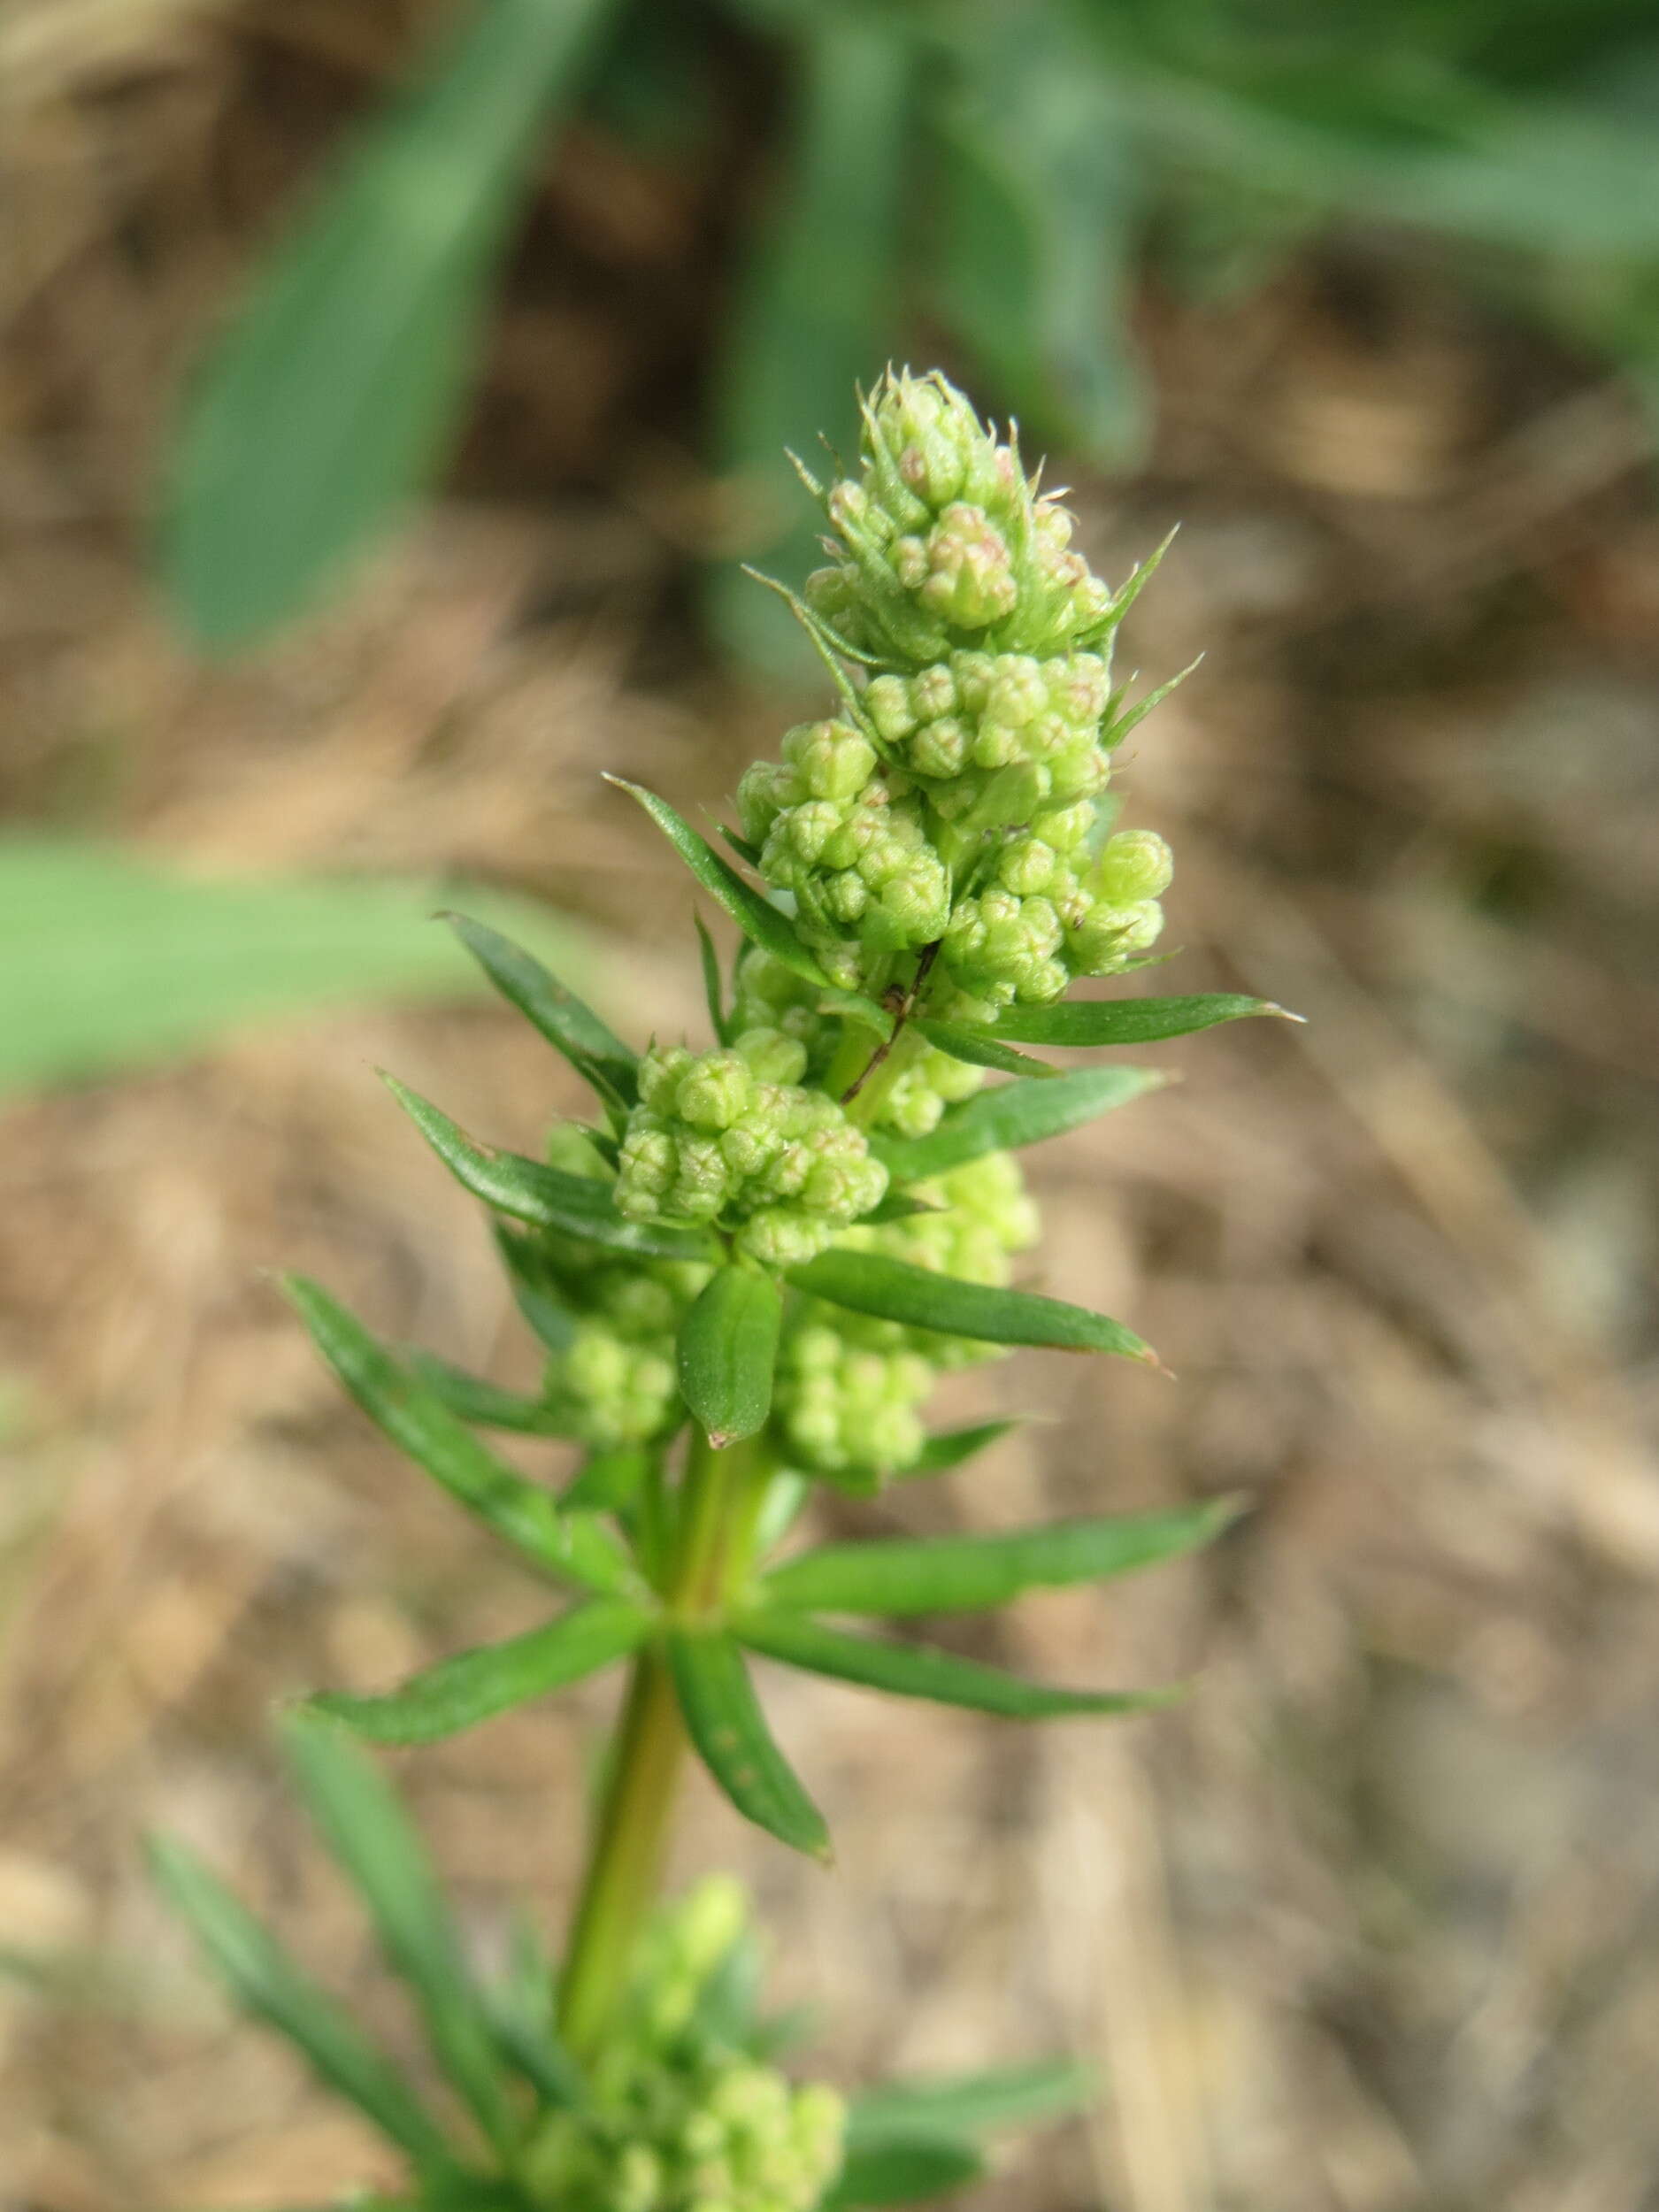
[571, 1027]
[475, 1686]
[727, 1352]
[974, 2104]
[268, 1983]
[484, 1404]
[956, 1574]
[1127, 1021]
[536, 1290]
[367, 1830]
[340, 384]
[916, 1670]
[903, 2169]
[869, 1282]
[760, 921]
[608, 1482]
[1014, 1114]
[573, 1547]
[817, 297]
[724, 1720]
[576, 1205]
[980, 1049]
[713, 990]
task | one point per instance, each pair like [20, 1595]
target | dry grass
[1373, 1922]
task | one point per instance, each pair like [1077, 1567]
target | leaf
[901, 2170]
[571, 1028]
[916, 1670]
[1040, 201]
[956, 1574]
[366, 1829]
[608, 1481]
[1014, 1114]
[1009, 2096]
[575, 1205]
[712, 989]
[761, 922]
[535, 1289]
[724, 1719]
[894, 1290]
[475, 1686]
[267, 1983]
[950, 1449]
[1127, 1021]
[337, 387]
[573, 1547]
[817, 302]
[483, 1403]
[727, 1352]
[980, 1049]
[110, 959]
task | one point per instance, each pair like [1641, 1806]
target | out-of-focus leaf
[266, 1981]
[894, 1290]
[727, 1351]
[576, 1205]
[1127, 1021]
[974, 2104]
[916, 1670]
[368, 1831]
[607, 1482]
[110, 959]
[897, 2169]
[711, 986]
[574, 1547]
[759, 920]
[569, 1026]
[954, 1574]
[335, 390]
[475, 1686]
[724, 1719]
[483, 1403]
[1041, 203]
[535, 1290]
[980, 1049]
[815, 303]
[1015, 1114]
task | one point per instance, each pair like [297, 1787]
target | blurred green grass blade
[569, 1025]
[111, 959]
[1039, 211]
[760, 921]
[1080, 1023]
[1008, 2096]
[724, 1722]
[368, 1831]
[1014, 1114]
[727, 1351]
[333, 391]
[980, 1049]
[475, 1686]
[483, 1405]
[573, 1547]
[547, 1197]
[267, 1983]
[899, 1575]
[894, 1290]
[903, 2168]
[918, 1671]
[815, 307]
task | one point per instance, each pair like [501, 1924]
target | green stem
[719, 1503]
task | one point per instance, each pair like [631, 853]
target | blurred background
[303, 625]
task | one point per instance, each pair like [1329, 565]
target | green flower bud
[964, 574]
[715, 1090]
[1110, 935]
[773, 1056]
[780, 1237]
[832, 760]
[660, 1072]
[1134, 865]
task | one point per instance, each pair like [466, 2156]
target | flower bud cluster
[955, 800]
[731, 1136]
[681, 2121]
[614, 1382]
[769, 995]
[850, 1387]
